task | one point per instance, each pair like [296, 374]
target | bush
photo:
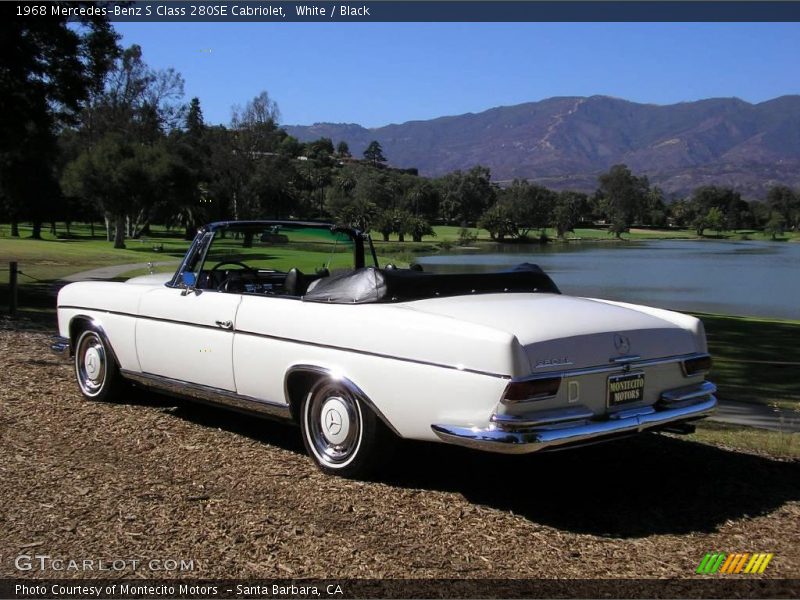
[466, 237]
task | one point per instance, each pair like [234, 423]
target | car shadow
[281, 435]
[634, 487]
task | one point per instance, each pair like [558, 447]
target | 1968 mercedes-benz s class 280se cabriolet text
[295, 320]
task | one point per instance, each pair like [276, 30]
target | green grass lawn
[755, 360]
[774, 443]
[51, 259]
[450, 233]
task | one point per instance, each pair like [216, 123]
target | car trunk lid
[558, 332]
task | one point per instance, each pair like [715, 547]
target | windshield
[281, 259]
[280, 248]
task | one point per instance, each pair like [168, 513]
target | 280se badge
[359, 355]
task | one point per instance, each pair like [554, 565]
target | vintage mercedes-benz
[297, 321]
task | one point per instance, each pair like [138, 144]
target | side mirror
[189, 281]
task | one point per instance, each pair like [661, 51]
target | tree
[531, 206]
[465, 196]
[786, 202]
[48, 70]
[499, 222]
[566, 212]
[321, 149]
[130, 117]
[261, 110]
[140, 102]
[655, 210]
[623, 196]
[422, 199]
[775, 226]
[195, 126]
[715, 220]
[358, 214]
[116, 175]
[733, 210]
[418, 227]
[383, 223]
[343, 150]
[374, 153]
[682, 213]
[256, 126]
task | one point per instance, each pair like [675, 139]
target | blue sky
[379, 73]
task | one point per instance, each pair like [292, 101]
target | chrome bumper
[558, 428]
[60, 346]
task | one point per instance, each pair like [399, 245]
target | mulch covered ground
[152, 478]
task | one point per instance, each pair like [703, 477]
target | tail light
[695, 366]
[533, 389]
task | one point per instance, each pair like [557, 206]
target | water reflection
[745, 278]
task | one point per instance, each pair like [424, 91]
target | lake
[738, 278]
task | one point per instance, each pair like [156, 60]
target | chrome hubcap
[90, 363]
[333, 424]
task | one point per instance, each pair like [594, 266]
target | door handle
[225, 324]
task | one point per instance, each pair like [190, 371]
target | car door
[188, 335]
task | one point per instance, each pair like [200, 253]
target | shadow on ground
[649, 484]
[262, 430]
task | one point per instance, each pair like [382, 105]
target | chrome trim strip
[296, 341]
[631, 412]
[522, 441]
[371, 353]
[611, 368]
[98, 327]
[133, 316]
[209, 395]
[339, 377]
[544, 417]
[689, 392]
[625, 359]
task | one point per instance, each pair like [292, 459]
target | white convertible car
[359, 355]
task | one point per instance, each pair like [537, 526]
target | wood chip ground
[153, 478]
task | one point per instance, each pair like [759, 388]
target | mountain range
[565, 142]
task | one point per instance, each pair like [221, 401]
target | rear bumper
[675, 406]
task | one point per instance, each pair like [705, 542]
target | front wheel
[97, 373]
[340, 432]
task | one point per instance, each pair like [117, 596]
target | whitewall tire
[340, 432]
[95, 368]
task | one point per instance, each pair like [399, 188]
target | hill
[566, 141]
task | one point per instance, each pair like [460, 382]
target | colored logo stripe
[734, 563]
[711, 563]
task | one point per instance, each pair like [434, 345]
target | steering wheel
[232, 262]
[225, 283]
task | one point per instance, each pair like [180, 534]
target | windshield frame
[196, 254]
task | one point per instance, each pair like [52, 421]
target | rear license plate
[626, 388]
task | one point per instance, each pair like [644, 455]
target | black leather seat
[296, 282]
[290, 284]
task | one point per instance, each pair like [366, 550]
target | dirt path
[154, 479]
[114, 271]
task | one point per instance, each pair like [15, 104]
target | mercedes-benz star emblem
[622, 343]
[333, 422]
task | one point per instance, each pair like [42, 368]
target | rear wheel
[95, 369]
[340, 432]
